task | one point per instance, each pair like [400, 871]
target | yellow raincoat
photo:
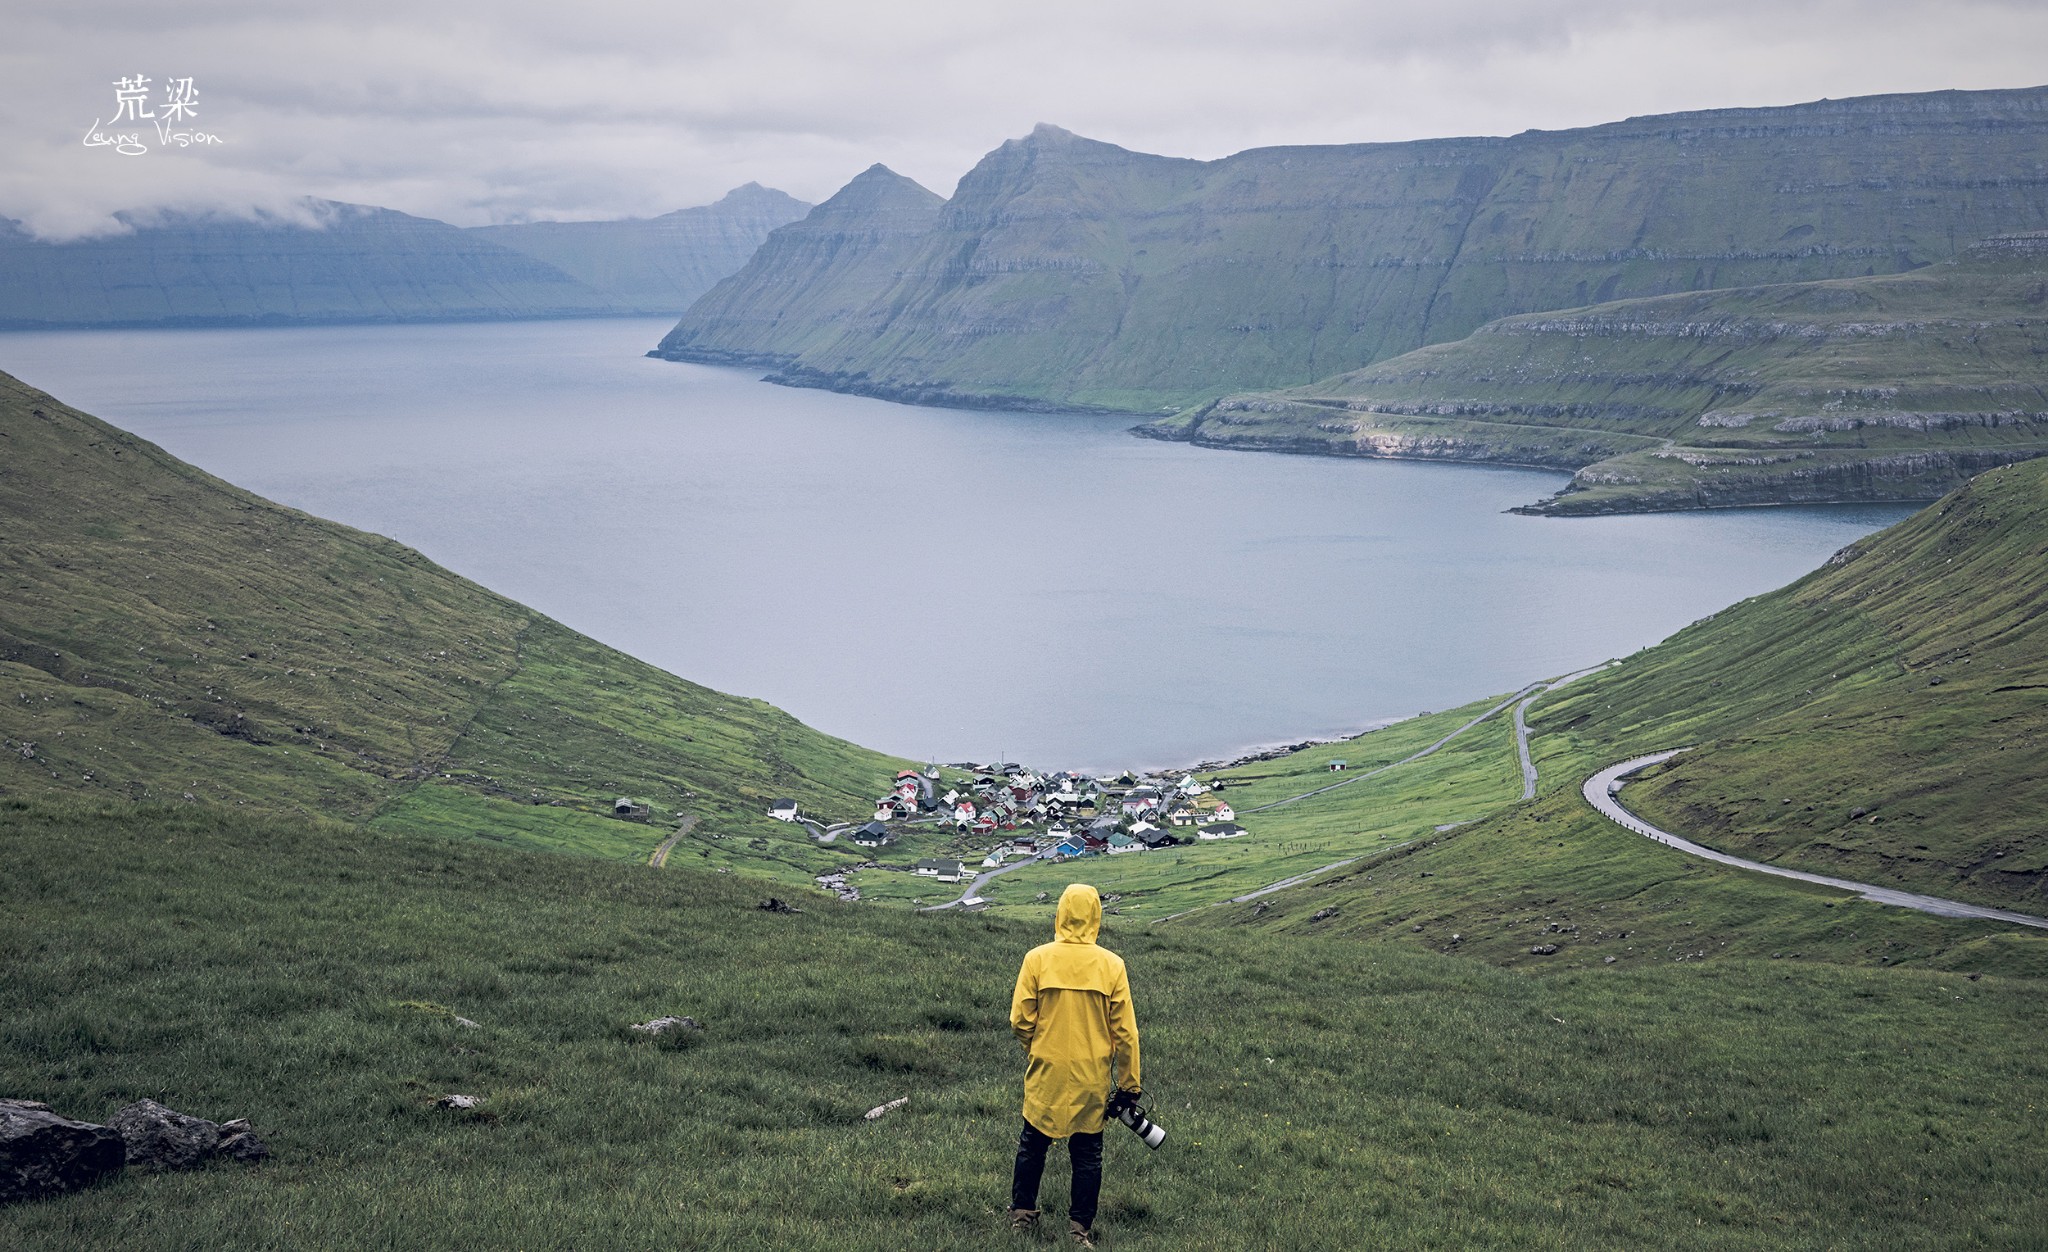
[1072, 1012]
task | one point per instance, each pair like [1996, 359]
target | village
[1004, 815]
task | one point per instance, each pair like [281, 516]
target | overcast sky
[476, 112]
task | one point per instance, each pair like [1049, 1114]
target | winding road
[1599, 792]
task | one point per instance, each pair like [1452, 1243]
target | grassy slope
[1070, 272]
[1824, 694]
[1885, 388]
[809, 277]
[306, 975]
[165, 635]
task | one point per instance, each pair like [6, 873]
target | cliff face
[656, 265]
[1066, 272]
[1895, 387]
[810, 278]
[366, 265]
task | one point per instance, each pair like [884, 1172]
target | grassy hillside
[308, 976]
[809, 278]
[167, 637]
[1069, 272]
[1897, 387]
[1878, 720]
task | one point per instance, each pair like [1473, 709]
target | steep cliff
[656, 265]
[810, 278]
[1070, 273]
[1897, 387]
[354, 263]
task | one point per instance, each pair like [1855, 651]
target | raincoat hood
[1080, 916]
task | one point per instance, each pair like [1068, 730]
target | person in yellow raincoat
[1072, 1012]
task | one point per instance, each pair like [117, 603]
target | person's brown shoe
[1023, 1221]
[1081, 1235]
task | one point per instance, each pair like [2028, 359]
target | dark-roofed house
[943, 870]
[873, 835]
[783, 810]
[1221, 830]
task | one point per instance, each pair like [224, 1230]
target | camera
[1123, 1106]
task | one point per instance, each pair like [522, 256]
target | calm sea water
[926, 581]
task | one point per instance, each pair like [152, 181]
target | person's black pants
[1085, 1154]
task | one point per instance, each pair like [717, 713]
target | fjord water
[930, 582]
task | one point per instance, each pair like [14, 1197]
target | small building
[1339, 765]
[783, 810]
[943, 870]
[1157, 839]
[1120, 844]
[1221, 830]
[873, 835]
[625, 807]
[1223, 813]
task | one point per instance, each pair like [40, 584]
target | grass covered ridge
[166, 635]
[1892, 387]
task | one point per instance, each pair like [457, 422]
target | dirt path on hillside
[660, 857]
[1599, 792]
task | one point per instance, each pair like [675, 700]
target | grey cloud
[511, 111]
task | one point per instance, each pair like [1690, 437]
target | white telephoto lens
[1155, 1134]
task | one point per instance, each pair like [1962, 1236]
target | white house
[1221, 830]
[1120, 844]
[1224, 813]
[943, 870]
[783, 810]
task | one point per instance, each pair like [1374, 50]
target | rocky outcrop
[657, 265]
[44, 1154]
[1071, 273]
[160, 1138]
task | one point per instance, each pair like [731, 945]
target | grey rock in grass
[1544, 949]
[662, 1025]
[44, 1154]
[457, 1102]
[160, 1138]
[238, 1142]
[1328, 913]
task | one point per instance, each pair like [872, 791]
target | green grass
[201, 641]
[1891, 387]
[306, 975]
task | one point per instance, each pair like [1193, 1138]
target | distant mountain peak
[879, 187]
[752, 195]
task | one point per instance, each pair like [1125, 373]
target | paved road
[1522, 726]
[1532, 690]
[660, 857]
[981, 880]
[1599, 792]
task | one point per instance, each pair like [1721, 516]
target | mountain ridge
[1069, 273]
[1894, 387]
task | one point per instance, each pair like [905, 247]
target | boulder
[43, 1154]
[160, 1138]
